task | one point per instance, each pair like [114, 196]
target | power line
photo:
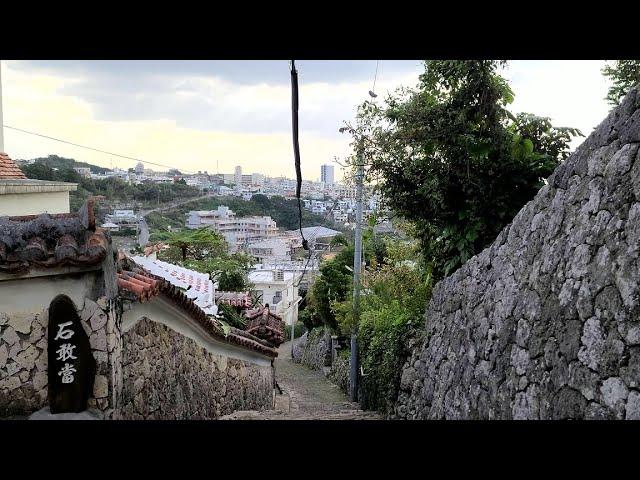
[94, 149]
[372, 92]
[375, 76]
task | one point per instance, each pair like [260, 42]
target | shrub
[392, 309]
[299, 330]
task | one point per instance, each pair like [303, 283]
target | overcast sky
[210, 115]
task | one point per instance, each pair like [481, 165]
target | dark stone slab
[72, 367]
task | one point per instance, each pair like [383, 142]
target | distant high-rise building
[257, 178]
[326, 175]
[238, 175]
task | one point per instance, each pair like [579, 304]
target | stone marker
[71, 367]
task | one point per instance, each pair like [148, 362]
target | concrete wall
[34, 203]
[545, 323]
[169, 376]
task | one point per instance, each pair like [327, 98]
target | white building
[318, 207]
[237, 176]
[257, 179]
[278, 289]
[326, 175]
[84, 171]
[112, 227]
[340, 216]
[270, 250]
[125, 219]
[237, 232]
[22, 196]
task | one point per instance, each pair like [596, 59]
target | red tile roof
[155, 248]
[142, 286]
[265, 324]
[48, 241]
[9, 169]
[235, 299]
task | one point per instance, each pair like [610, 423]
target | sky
[214, 115]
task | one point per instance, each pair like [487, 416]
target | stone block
[4, 354]
[9, 336]
[40, 380]
[26, 359]
[98, 320]
[633, 406]
[98, 341]
[100, 386]
[21, 321]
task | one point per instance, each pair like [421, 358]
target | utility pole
[357, 267]
[1, 117]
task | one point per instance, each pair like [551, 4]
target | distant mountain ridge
[61, 163]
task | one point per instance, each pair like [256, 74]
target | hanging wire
[375, 76]
[296, 154]
[94, 149]
[372, 92]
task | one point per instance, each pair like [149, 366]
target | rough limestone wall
[339, 373]
[167, 376]
[317, 349]
[23, 357]
[545, 323]
[299, 346]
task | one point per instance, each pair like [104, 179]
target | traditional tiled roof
[138, 284]
[197, 285]
[265, 324]
[235, 299]
[48, 241]
[9, 169]
[155, 248]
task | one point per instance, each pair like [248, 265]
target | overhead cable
[94, 149]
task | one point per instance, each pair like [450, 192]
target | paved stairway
[307, 395]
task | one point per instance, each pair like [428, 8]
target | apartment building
[326, 175]
[279, 290]
[238, 232]
[270, 250]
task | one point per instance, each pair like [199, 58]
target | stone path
[307, 395]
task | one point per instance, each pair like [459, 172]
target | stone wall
[317, 349]
[299, 346]
[23, 357]
[545, 323]
[169, 376]
[339, 373]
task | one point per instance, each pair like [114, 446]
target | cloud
[570, 92]
[35, 102]
[196, 115]
[215, 102]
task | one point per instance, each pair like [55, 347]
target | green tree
[194, 245]
[392, 307]
[332, 285]
[624, 74]
[452, 159]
